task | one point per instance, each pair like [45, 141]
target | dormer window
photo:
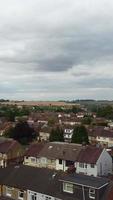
[68, 187]
[91, 193]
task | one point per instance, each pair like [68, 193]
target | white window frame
[9, 194]
[91, 193]
[81, 165]
[33, 159]
[66, 187]
[19, 192]
[92, 165]
[33, 194]
[43, 160]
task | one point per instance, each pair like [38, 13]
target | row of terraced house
[55, 171]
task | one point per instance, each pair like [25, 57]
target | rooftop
[84, 180]
[60, 150]
[89, 154]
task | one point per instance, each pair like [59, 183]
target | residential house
[5, 126]
[80, 115]
[53, 155]
[58, 155]
[44, 133]
[102, 136]
[94, 161]
[10, 152]
[29, 183]
[30, 122]
[71, 121]
[31, 154]
[88, 160]
[68, 132]
[84, 187]
[110, 124]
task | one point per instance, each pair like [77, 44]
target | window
[21, 194]
[43, 160]
[33, 196]
[60, 161]
[81, 165]
[68, 187]
[92, 166]
[85, 165]
[47, 198]
[33, 160]
[50, 161]
[8, 191]
[91, 193]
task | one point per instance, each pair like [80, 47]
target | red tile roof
[100, 131]
[6, 145]
[89, 154]
[34, 149]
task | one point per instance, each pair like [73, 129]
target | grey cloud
[45, 43]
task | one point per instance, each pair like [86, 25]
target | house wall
[92, 139]
[44, 136]
[51, 163]
[45, 162]
[31, 161]
[0, 190]
[14, 155]
[104, 163]
[81, 193]
[39, 196]
[14, 193]
[102, 167]
[40, 162]
[105, 140]
[61, 166]
[86, 170]
[3, 160]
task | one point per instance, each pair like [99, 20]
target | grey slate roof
[60, 150]
[88, 181]
[5, 198]
[40, 180]
[45, 181]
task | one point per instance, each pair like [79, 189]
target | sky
[56, 49]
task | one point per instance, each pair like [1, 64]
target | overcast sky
[56, 49]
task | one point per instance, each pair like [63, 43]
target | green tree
[80, 135]
[56, 135]
[22, 133]
[51, 121]
[105, 111]
[87, 120]
[75, 109]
